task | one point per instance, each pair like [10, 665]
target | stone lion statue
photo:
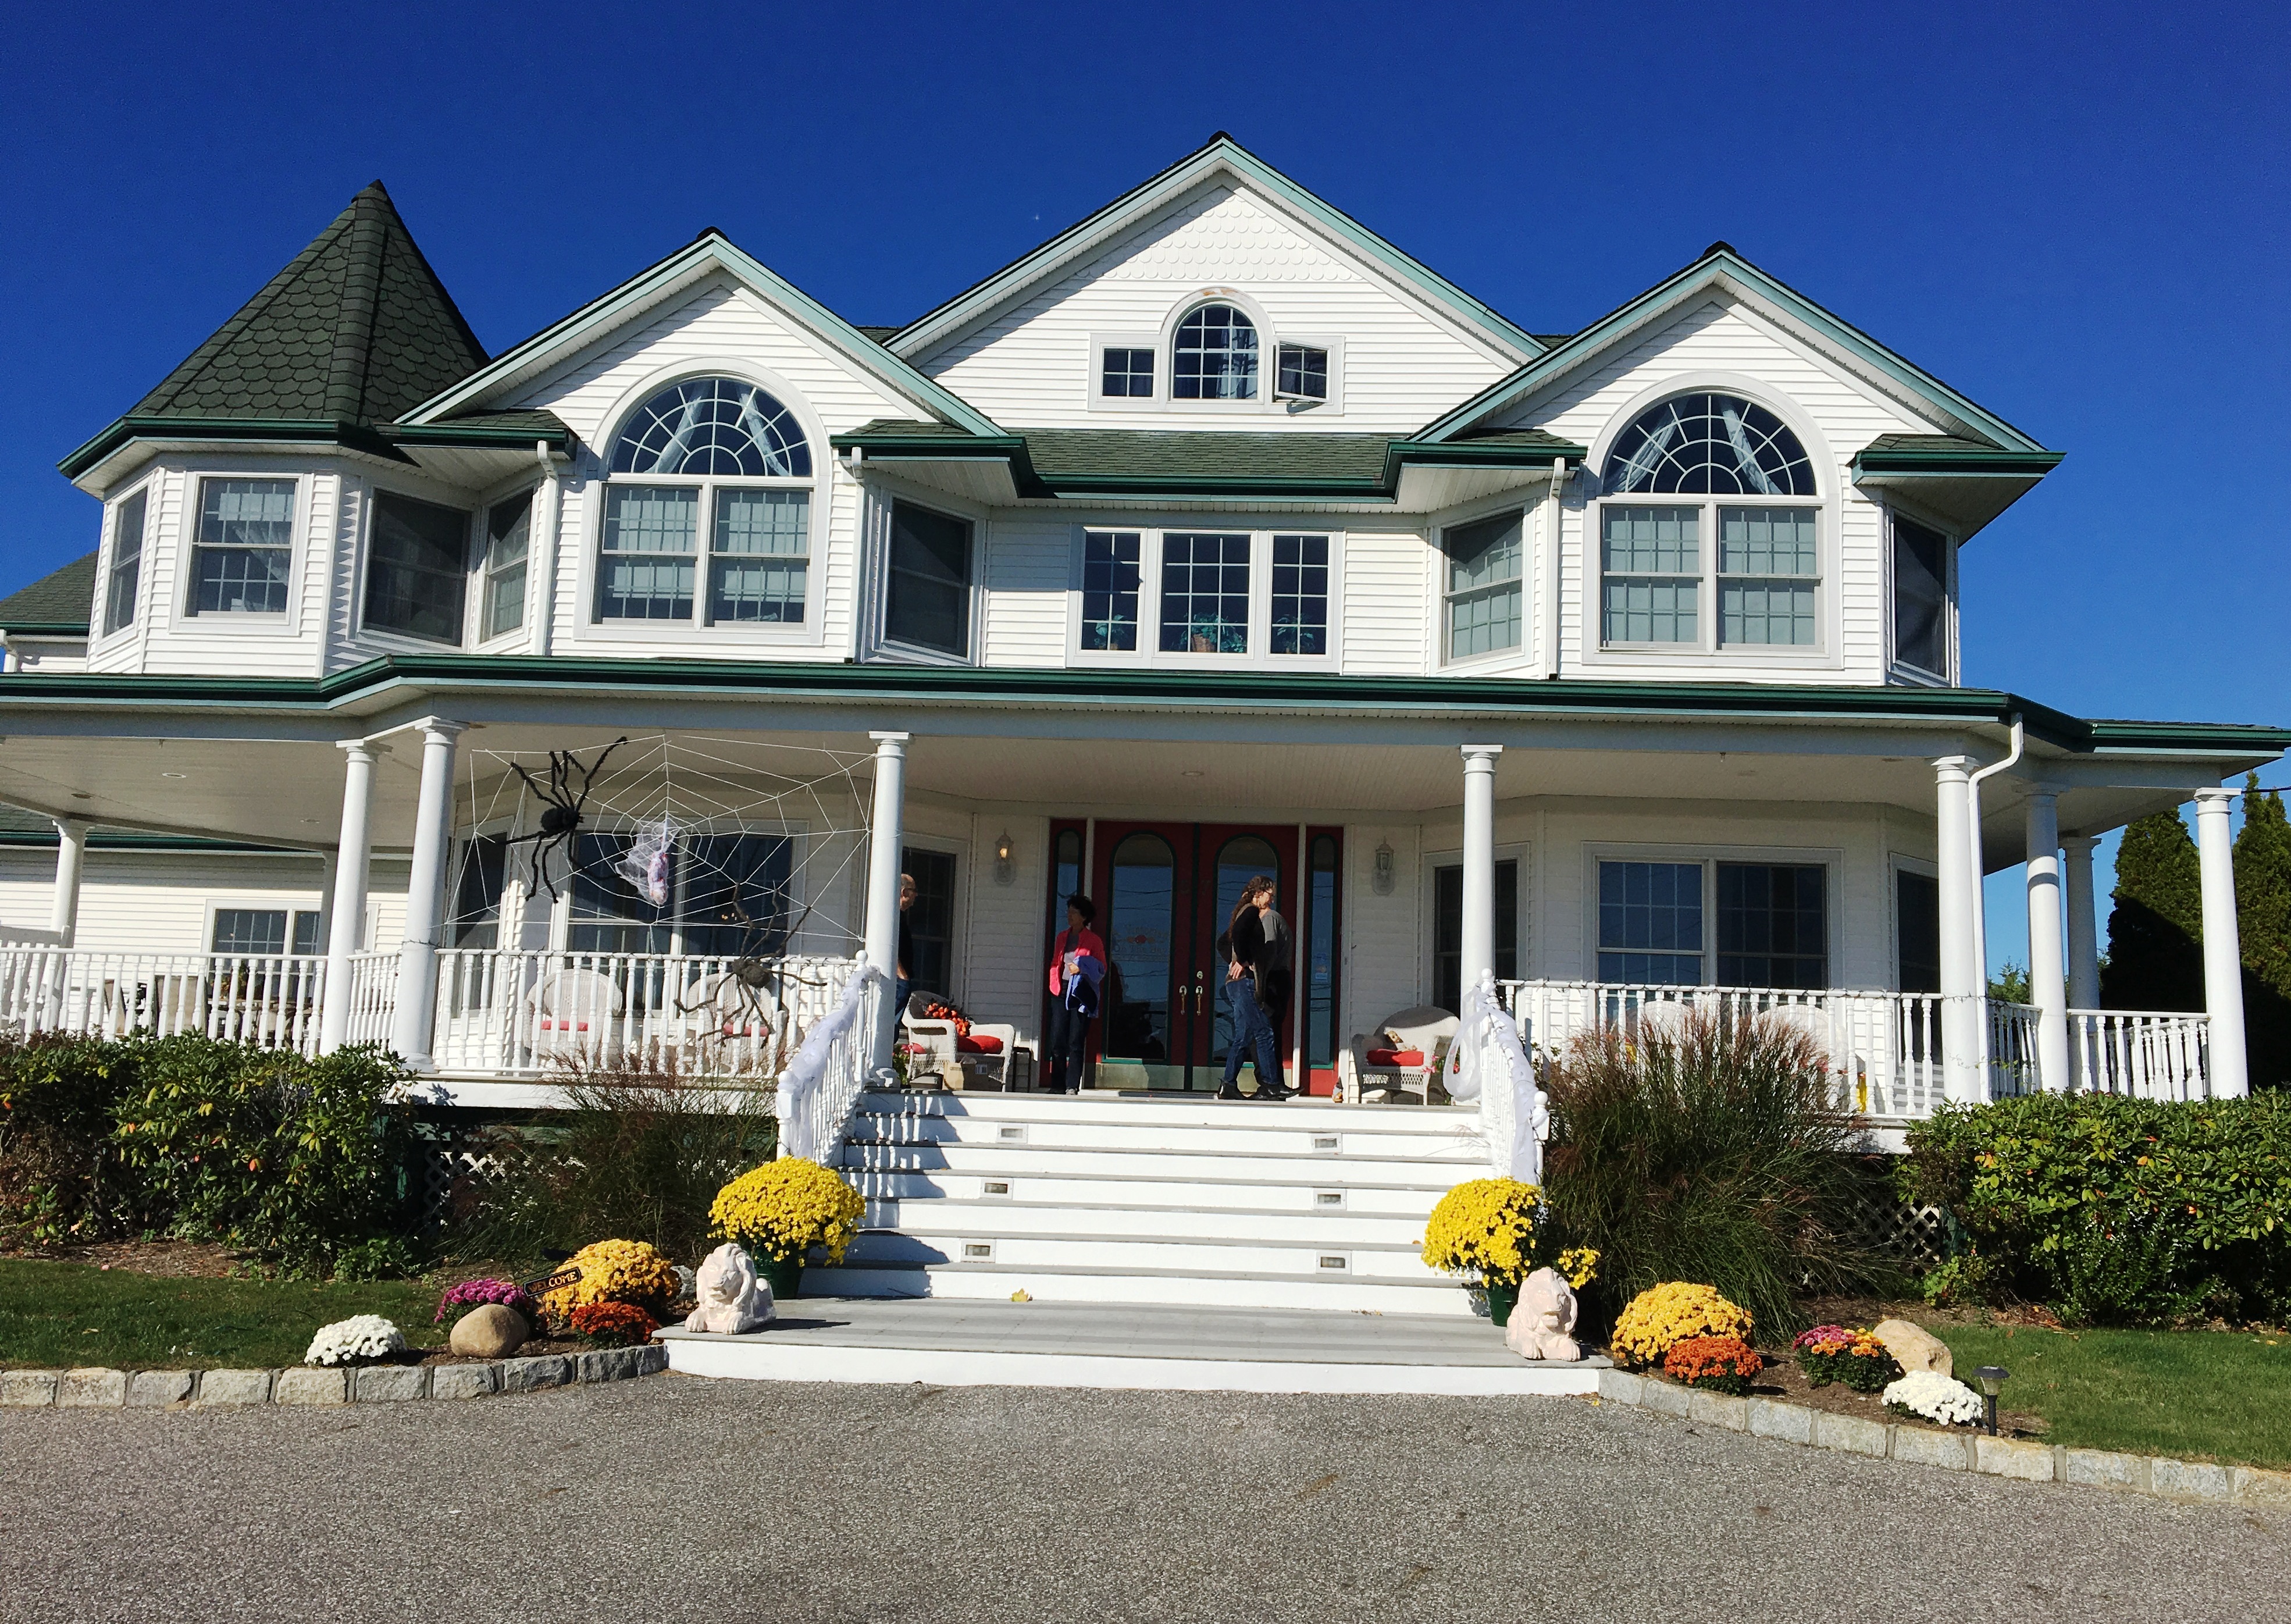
[1540, 1325]
[732, 1301]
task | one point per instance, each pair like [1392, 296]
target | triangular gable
[707, 254]
[1723, 269]
[1222, 157]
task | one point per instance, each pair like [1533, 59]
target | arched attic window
[1215, 357]
[709, 482]
[1658, 569]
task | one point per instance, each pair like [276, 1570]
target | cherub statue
[1543, 1318]
[732, 1301]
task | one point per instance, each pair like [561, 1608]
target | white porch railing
[271, 999]
[2147, 1055]
[531, 1014]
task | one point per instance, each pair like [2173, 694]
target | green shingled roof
[56, 603]
[1205, 454]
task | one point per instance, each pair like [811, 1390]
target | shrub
[637, 1154]
[613, 1272]
[61, 1176]
[1709, 1155]
[1499, 1229]
[613, 1324]
[2116, 1210]
[1658, 1319]
[1832, 1353]
[1723, 1364]
[783, 1208]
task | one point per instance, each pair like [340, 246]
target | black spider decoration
[560, 808]
[753, 979]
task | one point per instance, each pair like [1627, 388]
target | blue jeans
[1251, 1029]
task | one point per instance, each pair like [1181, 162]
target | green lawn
[58, 1315]
[2215, 1395]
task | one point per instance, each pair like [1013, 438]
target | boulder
[491, 1330]
[1914, 1348]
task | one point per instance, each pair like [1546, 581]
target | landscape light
[1992, 1378]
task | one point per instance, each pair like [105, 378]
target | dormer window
[1215, 357]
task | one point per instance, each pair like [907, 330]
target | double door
[1164, 894]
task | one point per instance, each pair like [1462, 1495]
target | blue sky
[2081, 227]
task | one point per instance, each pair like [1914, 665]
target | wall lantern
[1006, 863]
[1992, 1378]
[1381, 877]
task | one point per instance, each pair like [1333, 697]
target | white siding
[1027, 556]
[1030, 365]
[151, 902]
[1386, 582]
[1000, 945]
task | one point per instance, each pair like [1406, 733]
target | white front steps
[1113, 1199]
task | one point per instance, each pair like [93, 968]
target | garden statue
[1546, 1315]
[732, 1301]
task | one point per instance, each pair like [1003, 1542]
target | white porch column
[887, 833]
[415, 1018]
[2230, 1075]
[71, 854]
[2047, 969]
[2084, 923]
[1478, 956]
[1961, 969]
[346, 899]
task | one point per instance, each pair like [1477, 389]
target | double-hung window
[265, 932]
[126, 565]
[1771, 924]
[1300, 594]
[508, 544]
[1483, 606]
[1920, 598]
[245, 547]
[707, 512]
[927, 602]
[1112, 578]
[1709, 573]
[416, 571]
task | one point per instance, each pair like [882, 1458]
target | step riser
[1439, 1122]
[1323, 1263]
[1096, 1136]
[1016, 1159]
[1003, 1217]
[1342, 1297]
[923, 1188]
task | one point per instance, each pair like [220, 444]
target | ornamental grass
[1711, 1155]
[1660, 1318]
[783, 1208]
[1719, 1364]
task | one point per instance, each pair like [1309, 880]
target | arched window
[707, 511]
[1216, 356]
[1666, 490]
[1708, 446]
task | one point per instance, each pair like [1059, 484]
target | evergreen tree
[2262, 907]
[2155, 956]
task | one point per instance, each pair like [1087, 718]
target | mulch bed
[173, 1259]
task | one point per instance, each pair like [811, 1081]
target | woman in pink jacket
[1077, 988]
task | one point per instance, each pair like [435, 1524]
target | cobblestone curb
[96, 1387]
[2195, 1483]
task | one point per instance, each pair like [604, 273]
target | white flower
[355, 1340]
[1936, 1397]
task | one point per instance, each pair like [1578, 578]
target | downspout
[1980, 914]
[545, 608]
[860, 550]
[1555, 511]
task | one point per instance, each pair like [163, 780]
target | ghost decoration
[646, 865]
[731, 1301]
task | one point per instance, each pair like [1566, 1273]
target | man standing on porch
[1077, 974]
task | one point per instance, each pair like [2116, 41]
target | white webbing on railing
[1487, 1062]
[823, 1081]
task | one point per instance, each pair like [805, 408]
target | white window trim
[882, 499]
[1149, 652]
[1830, 858]
[1896, 668]
[148, 488]
[288, 621]
[1532, 543]
[471, 522]
[1163, 344]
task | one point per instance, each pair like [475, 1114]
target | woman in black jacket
[1250, 970]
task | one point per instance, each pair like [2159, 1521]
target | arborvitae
[2155, 953]
[2262, 907]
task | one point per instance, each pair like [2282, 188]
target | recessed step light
[1324, 1141]
[1328, 1198]
[998, 1187]
[1014, 1133]
[978, 1252]
[1329, 1261]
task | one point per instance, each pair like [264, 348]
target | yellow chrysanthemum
[785, 1208]
[1488, 1225]
[1662, 1317]
[613, 1272]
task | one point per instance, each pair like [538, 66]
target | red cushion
[564, 1026]
[978, 1046]
[1395, 1056]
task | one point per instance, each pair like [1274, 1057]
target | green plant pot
[1503, 1297]
[784, 1276]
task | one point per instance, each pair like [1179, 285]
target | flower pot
[1503, 1297]
[784, 1276]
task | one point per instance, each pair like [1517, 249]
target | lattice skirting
[1917, 1236]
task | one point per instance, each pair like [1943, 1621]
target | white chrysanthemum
[355, 1340]
[1936, 1397]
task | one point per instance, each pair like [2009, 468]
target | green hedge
[2114, 1209]
[302, 1161]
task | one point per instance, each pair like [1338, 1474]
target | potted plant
[779, 1212]
[1501, 1231]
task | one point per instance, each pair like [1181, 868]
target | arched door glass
[1139, 938]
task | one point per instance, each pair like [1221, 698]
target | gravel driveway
[681, 1499]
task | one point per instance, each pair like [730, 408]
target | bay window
[1483, 599]
[126, 574]
[416, 570]
[245, 547]
[509, 538]
[1920, 598]
[928, 601]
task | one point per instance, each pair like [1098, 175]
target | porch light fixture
[1006, 865]
[1379, 879]
[1992, 1378]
